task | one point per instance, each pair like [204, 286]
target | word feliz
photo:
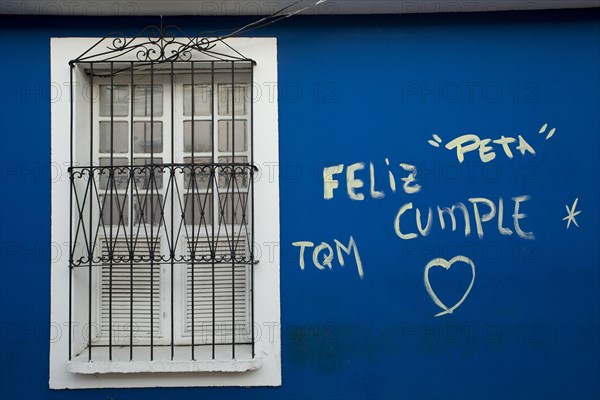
[353, 183]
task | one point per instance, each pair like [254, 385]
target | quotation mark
[550, 134]
[436, 142]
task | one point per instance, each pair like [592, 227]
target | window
[166, 213]
[190, 203]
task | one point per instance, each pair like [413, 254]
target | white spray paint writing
[359, 181]
[440, 262]
[485, 147]
[479, 217]
[323, 254]
[571, 214]
[355, 185]
[467, 143]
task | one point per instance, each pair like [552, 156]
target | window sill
[121, 367]
[162, 363]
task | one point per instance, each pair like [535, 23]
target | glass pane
[236, 159]
[143, 176]
[120, 97]
[120, 175]
[202, 213]
[144, 96]
[120, 209]
[120, 137]
[202, 173]
[227, 134]
[233, 211]
[239, 99]
[147, 137]
[241, 173]
[202, 100]
[147, 209]
[202, 136]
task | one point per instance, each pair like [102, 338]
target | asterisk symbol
[571, 214]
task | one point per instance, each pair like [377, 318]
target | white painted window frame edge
[265, 369]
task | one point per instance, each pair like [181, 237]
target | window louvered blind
[227, 297]
[125, 278]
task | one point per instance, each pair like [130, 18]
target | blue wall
[361, 89]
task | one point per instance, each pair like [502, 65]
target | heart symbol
[440, 262]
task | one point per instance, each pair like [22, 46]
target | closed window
[164, 230]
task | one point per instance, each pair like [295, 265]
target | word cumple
[328, 253]
[353, 183]
[479, 218]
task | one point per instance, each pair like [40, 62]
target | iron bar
[200, 261]
[132, 183]
[71, 66]
[90, 247]
[172, 175]
[193, 183]
[213, 185]
[152, 180]
[231, 185]
[251, 185]
[226, 165]
[179, 345]
[111, 181]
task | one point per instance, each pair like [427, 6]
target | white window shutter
[224, 287]
[122, 286]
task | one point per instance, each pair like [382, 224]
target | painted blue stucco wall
[362, 89]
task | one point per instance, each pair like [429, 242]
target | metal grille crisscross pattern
[225, 185]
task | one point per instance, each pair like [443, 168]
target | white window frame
[265, 368]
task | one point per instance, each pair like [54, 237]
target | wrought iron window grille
[181, 201]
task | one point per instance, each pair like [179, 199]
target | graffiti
[485, 147]
[323, 254]
[571, 214]
[440, 262]
[353, 183]
[478, 218]
[476, 215]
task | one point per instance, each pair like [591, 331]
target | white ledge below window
[116, 367]
[162, 362]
